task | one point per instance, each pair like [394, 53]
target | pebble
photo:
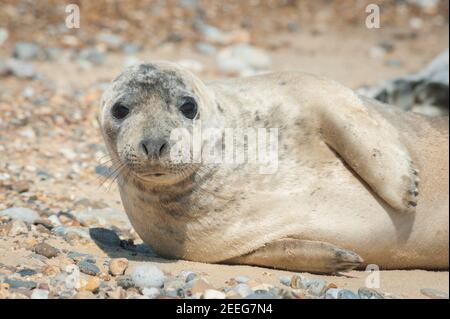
[118, 293]
[152, 292]
[125, 282]
[147, 276]
[92, 285]
[188, 275]
[26, 51]
[243, 59]
[241, 279]
[16, 283]
[262, 295]
[286, 280]
[213, 294]
[205, 48]
[117, 266]
[17, 227]
[19, 68]
[243, 290]
[21, 213]
[299, 282]
[112, 40]
[332, 293]
[104, 237]
[27, 272]
[316, 287]
[4, 35]
[347, 294]
[434, 293]
[39, 294]
[46, 250]
[368, 293]
[89, 268]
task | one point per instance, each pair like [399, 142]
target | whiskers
[115, 169]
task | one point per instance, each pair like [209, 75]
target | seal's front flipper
[372, 147]
[301, 255]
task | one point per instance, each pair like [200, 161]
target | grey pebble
[125, 282]
[286, 280]
[434, 293]
[27, 272]
[241, 279]
[367, 293]
[15, 283]
[105, 237]
[88, 268]
[347, 294]
[26, 51]
[21, 213]
[243, 290]
[147, 276]
[316, 287]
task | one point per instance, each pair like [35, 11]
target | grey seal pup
[357, 182]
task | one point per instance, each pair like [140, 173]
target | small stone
[147, 276]
[347, 294]
[243, 59]
[89, 268]
[17, 227]
[286, 280]
[22, 186]
[20, 69]
[298, 282]
[21, 213]
[27, 272]
[117, 266]
[118, 293]
[26, 51]
[213, 294]
[205, 48]
[367, 293]
[332, 293]
[4, 35]
[39, 294]
[50, 270]
[261, 295]
[316, 287]
[125, 282]
[16, 284]
[434, 293]
[46, 250]
[76, 256]
[198, 286]
[92, 285]
[105, 237]
[241, 279]
[152, 292]
[243, 290]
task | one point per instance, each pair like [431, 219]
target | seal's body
[358, 182]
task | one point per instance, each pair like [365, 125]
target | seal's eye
[119, 111]
[189, 108]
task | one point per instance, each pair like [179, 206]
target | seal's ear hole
[119, 111]
[189, 108]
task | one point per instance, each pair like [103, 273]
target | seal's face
[139, 111]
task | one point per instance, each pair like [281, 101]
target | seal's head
[139, 111]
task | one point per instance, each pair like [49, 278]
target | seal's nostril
[144, 148]
[153, 147]
[161, 149]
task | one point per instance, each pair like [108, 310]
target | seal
[357, 182]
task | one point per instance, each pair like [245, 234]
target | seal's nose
[153, 147]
